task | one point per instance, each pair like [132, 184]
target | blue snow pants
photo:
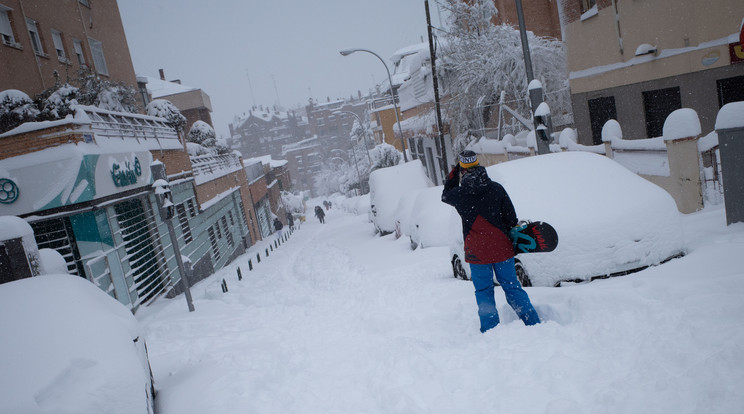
[516, 297]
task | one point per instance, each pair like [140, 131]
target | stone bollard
[681, 134]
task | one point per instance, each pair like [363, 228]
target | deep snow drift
[337, 320]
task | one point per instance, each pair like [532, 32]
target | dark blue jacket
[487, 215]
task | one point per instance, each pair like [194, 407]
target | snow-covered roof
[266, 160]
[159, 88]
[422, 123]
[263, 114]
[406, 61]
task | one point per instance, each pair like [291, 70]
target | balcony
[210, 167]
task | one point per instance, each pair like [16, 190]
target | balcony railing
[149, 131]
[209, 167]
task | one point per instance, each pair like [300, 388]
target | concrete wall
[697, 91]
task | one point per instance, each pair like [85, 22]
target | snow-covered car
[387, 186]
[609, 220]
[68, 347]
[431, 220]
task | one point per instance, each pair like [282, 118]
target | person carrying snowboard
[487, 215]
[320, 214]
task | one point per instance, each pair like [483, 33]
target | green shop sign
[127, 175]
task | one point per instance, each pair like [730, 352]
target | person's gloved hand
[455, 173]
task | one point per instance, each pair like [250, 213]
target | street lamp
[347, 52]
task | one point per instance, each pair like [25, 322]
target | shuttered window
[58, 46]
[6, 31]
[96, 50]
[33, 31]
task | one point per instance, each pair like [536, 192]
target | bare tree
[480, 60]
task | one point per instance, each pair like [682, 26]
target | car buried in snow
[68, 347]
[387, 186]
[610, 221]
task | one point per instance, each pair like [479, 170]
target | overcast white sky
[219, 45]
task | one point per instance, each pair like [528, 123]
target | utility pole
[543, 126]
[442, 149]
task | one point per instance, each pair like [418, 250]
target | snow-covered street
[338, 320]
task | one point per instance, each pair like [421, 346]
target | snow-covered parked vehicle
[387, 186]
[609, 220]
[431, 221]
[71, 348]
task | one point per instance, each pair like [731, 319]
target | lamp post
[347, 52]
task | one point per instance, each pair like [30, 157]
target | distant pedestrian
[487, 215]
[278, 227]
[326, 204]
[320, 214]
[290, 221]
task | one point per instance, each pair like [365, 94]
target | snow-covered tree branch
[479, 60]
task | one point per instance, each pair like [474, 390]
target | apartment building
[265, 130]
[637, 61]
[193, 103]
[41, 37]
[84, 183]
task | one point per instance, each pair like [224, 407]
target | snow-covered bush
[196, 150]
[384, 155]
[221, 147]
[165, 109]
[60, 103]
[16, 108]
[294, 203]
[105, 94]
[203, 134]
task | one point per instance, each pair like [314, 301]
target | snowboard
[533, 237]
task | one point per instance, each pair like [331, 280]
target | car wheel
[458, 270]
[522, 275]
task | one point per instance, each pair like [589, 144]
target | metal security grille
[146, 261]
[57, 234]
[213, 240]
[228, 234]
[184, 221]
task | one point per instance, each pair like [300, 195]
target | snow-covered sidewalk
[337, 320]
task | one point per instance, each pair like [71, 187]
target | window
[96, 50]
[730, 90]
[58, 46]
[192, 210]
[587, 4]
[6, 30]
[78, 46]
[601, 110]
[657, 105]
[33, 31]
